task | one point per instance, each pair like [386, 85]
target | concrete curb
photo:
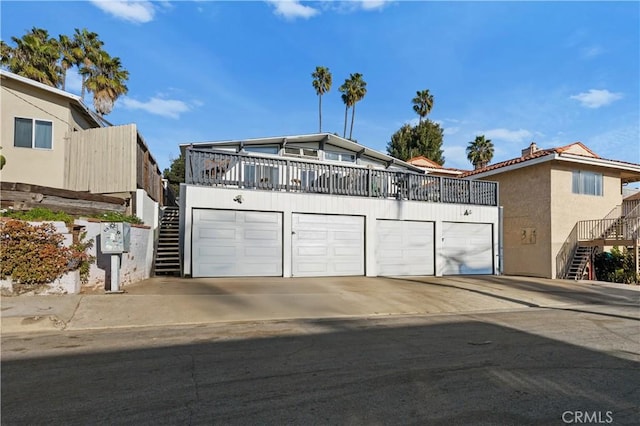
[31, 324]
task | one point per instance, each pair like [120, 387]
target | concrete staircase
[579, 262]
[167, 259]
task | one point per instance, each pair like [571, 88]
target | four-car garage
[237, 243]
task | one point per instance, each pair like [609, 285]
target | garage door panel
[236, 243]
[467, 248]
[348, 251]
[312, 251]
[404, 247]
[347, 236]
[255, 234]
[222, 251]
[315, 267]
[260, 217]
[307, 236]
[327, 245]
[208, 233]
[216, 216]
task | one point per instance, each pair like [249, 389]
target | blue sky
[549, 72]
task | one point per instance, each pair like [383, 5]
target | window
[301, 152]
[262, 149]
[587, 183]
[339, 156]
[29, 133]
[260, 175]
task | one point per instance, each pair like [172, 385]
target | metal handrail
[242, 170]
[566, 253]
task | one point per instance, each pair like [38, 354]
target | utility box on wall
[115, 237]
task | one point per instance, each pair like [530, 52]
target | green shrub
[40, 214]
[33, 255]
[616, 266]
[118, 217]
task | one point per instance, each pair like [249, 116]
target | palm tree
[87, 47]
[347, 98]
[6, 52]
[353, 91]
[107, 82]
[35, 57]
[359, 88]
[322, 81]
[422, 103]
[68, 56]
[480, 152]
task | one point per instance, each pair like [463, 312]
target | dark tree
[175, 173]
[424, 139]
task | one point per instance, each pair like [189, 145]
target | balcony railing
[219, 168]
[608, 229]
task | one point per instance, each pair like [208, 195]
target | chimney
[530, 149]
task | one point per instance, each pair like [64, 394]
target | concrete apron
[174, 301]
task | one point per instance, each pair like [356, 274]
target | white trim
[39, 85]
[101, 122]
[600, 162]
[569, 158]
[329, 139]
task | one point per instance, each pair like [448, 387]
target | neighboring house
[558, 204]
[433, 168]
[321, 205]
[50, 138]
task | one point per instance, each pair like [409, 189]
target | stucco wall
[568, 208]
[134, 265]
[540, 211]
[192, 196]
[525, 196]
[147, 210]
[29, 165]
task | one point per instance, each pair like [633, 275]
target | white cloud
[373, 4]
[455, 157]
[592, 51]
[164, 107]
[451, 130]
[507, 135]
[128, 10]
[595, 98]
[292, 9]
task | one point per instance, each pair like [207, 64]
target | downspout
[500, 240]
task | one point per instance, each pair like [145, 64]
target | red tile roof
[537, 154]
[420, 158]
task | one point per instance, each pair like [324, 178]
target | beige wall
[525, 196]
[540, 210]
[29, 165]
[568, 208]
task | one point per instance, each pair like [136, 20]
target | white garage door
[404, 247]
[228, 243]
[467, 248]
[327, 245]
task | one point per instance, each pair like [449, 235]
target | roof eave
[313, 137]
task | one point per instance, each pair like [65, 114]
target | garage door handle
[293, 232]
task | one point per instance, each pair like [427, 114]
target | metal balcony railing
[239, 170]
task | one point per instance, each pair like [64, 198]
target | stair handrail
[566, 253]
[615, 213]
[582, 267]
[630, 208]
